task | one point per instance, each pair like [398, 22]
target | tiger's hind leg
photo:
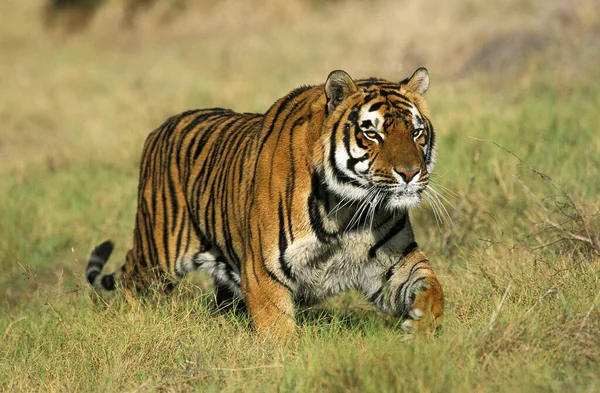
[227, 299]
[225, 275]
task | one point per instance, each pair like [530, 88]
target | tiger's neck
[333, 215]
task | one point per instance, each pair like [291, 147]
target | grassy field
[515, 104]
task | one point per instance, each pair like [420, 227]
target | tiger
[288, 208]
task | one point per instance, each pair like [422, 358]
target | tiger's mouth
[403, 196]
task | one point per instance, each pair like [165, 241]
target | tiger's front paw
[412, 320]
[425, 308]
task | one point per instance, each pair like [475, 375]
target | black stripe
[398, 226]
[165, 226]
[108, 282]
[368, 82]
[289, 195]
[353, 115]
[338, 174]
[394, 94]
[366, 124]
[147, 238]
[375, 106]
[353, 161]
[91, 276]
[316, 199]
[431, 141]
[375, 296]
[332, 146]
[359, 141]
[401, 288]
[184, 230]
[264, 265]
[173, 202]
[104, 250]
[390, 272]
[410, 248]
[283, 243]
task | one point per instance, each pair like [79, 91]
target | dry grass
[514, 99]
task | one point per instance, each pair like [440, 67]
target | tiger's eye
[371, 134]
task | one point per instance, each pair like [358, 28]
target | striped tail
[93, 272]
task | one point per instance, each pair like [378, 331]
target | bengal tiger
[292, 206]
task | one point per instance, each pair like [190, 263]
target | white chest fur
[357, 259]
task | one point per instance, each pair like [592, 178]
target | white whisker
[341, 204]
[356, 218]
[440, 205]
[441, 197]
[373, 208]
[444, 189]
[435, 209]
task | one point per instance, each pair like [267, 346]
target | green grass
[519, 160]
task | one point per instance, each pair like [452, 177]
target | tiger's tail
[93, 271]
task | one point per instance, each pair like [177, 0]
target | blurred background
[108, 71]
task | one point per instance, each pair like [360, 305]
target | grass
[518, 154]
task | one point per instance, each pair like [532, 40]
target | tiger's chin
[404, 201]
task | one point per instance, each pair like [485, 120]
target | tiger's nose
[407, 174]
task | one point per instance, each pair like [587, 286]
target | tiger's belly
[316, 270]
[354, 261]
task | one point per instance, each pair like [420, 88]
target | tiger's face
[381, 145]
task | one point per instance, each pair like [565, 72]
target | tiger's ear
[419, 81]
[339, 86]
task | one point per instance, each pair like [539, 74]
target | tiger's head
[378, 143]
